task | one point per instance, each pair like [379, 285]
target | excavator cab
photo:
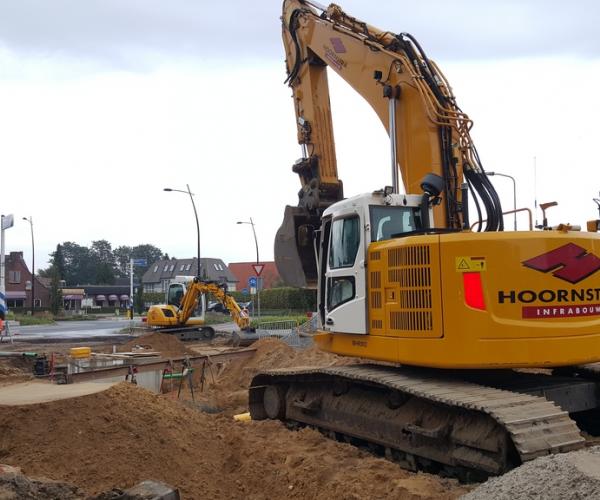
[175, 295]
[349, 227]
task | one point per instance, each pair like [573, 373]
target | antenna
[535, 204]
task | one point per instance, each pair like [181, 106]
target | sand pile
[227, 385]
[126, 434]
[15, 369]
[168, 345]
[564, 476]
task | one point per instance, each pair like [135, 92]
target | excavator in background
[184, 297]
[449, 317]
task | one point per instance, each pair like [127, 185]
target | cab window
[389, 221]
[345, 240]
[341, 290]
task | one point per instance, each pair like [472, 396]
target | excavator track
[190, 333]
[416, 417]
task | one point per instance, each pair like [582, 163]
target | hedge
[287, 298]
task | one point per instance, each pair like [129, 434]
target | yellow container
[80, 352]
[242, 417]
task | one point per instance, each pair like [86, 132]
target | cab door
[345, 297]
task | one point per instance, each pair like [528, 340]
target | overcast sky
[105, 103]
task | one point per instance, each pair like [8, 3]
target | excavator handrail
[508, 212]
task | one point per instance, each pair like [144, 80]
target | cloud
[139, 34]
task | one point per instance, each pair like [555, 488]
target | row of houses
[236, 275]
[157, 278]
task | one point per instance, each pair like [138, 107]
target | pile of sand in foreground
[227, 386]
[127, 434]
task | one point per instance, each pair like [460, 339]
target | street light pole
[251, 222]
[195, 215]
[514, 192]
[30, 220]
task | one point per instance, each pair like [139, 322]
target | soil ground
[125, 434]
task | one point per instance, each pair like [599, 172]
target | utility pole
[7, 221]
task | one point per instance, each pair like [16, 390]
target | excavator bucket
[294, 248]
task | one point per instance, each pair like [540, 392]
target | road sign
[139, 262]
[253, 291]
[252, 281]
[258, 268]
[245, 291]
[8, 221]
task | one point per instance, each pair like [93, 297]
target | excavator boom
[428, 132]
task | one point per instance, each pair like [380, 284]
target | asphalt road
[70, 331]
[98, 330]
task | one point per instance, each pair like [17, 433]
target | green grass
[33, 320]
[298, 318]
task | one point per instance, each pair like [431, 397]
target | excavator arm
[428, 131]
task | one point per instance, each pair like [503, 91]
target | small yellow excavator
[183, 299]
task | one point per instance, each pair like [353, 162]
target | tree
[138, 302]
[148, 252]
[56, 296]
[79, 266]
[57, 261]
[103, 262]
[122, 255]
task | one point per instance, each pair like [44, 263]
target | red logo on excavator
[338, 45]
[570, 262]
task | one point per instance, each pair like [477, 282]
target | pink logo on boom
[570, 262]
[338, 45]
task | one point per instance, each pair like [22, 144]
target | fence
[291, 332]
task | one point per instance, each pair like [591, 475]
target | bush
[285, 298]
[154, 297]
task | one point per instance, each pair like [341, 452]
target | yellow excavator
[184, 297]
[449, 317]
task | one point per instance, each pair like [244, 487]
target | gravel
[565, 476]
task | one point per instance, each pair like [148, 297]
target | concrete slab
[36, 391]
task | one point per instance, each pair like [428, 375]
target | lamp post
[251, 222]
[30, 220]
[195, 214]
[514, 192]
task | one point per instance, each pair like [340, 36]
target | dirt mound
[564, 476]
[168, 345]
[227, 385]
[15, 369]
[126, 434]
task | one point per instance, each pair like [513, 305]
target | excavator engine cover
[294, 248]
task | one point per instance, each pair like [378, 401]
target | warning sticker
[470, 264]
